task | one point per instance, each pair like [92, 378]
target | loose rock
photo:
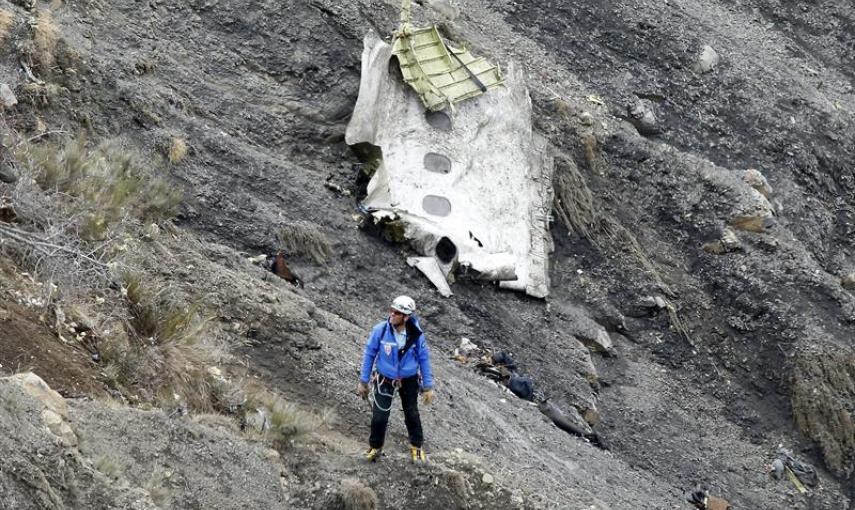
[758, 181]
[600, 343]
[642, 116]
[59, 427]
[729, 242]
[706, 61]
[7, 176]
[7, 97]
[7, 213]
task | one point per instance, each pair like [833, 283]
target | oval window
[436, 205]
[437, 163]
[438, 120]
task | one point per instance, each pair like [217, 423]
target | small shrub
[6, 21]
[94, 227]
[45, 37]
[41, 94]
[123, 362]
[562, 107]
[593, 155]
[287, 420]
[177, 151]
[109, 183]
[305, 238]
[356, 495]
[164, 355]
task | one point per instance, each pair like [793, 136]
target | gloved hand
[427, 397]
[362, 390]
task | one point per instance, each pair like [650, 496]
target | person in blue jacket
[398, 353]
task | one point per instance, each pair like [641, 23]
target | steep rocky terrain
[724, 296]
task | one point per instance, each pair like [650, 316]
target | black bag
[503, 359]
[523, 387]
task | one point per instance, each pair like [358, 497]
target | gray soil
[262, 91]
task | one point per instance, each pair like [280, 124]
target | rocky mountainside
[705, 201]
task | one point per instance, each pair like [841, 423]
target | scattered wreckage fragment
[501, 368]
[702, 500]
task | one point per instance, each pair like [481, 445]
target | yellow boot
[372, 454]
[417, 454]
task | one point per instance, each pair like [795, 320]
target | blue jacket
[383, 349]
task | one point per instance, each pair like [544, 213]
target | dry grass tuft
[109, 183]
[45, 37]
[593, 154]
[177, 151]
[110, 466]
[123, 362]
[6, 21]
[356, 495]
[562, 107]
[305, 238]
[287, 421]
[574, 202]
[166, 354]
[173, 352]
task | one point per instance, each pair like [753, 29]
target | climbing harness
[376, 383]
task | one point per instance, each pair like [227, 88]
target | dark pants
[383, 395]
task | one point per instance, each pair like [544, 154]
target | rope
[376, 387]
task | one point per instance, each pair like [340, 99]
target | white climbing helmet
[404, 304]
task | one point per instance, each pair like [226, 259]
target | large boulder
[55, 413]
[40, 467]
[35, 386]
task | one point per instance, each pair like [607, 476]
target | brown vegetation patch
[307, 239]
[177, 151]
[45, 37]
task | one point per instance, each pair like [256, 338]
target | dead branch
[35, 242]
